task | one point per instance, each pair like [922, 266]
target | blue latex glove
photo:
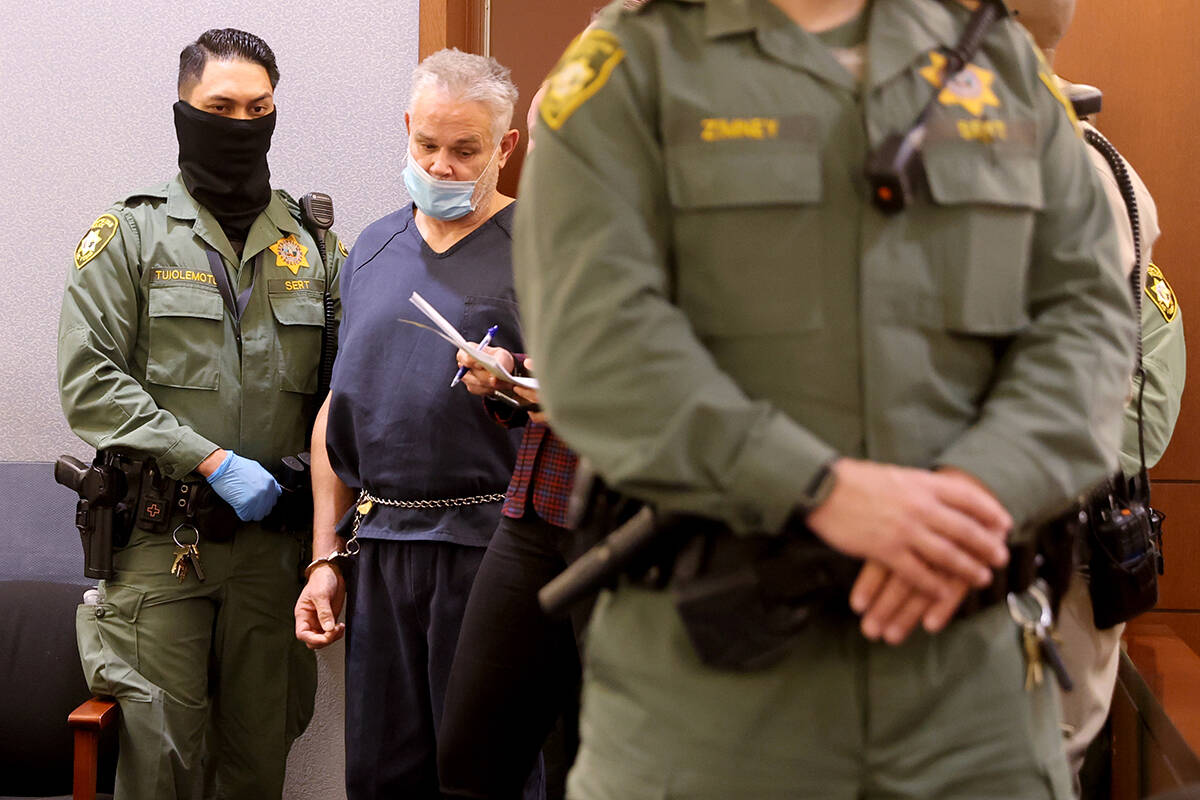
[245, 485]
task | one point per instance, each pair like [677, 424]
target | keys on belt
[1037, 638]
[187, 556]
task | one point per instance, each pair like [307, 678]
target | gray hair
[469, 78]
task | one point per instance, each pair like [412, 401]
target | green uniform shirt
[149, 358]
[716, 310]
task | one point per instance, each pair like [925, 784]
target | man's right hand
[928, 528]
[318, 608]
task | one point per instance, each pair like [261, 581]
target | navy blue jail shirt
[395, 426]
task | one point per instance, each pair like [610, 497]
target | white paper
[451, 335]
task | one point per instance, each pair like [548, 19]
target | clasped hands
[927, 539]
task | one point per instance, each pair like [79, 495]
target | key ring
[1045, 618]
[181, 526]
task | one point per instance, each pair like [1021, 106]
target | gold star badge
[290, 253]
[971, 88]
[95, 240]
[1161, 293]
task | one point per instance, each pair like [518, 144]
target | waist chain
[367, 501]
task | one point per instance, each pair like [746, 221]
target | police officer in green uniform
[726, 325]
[1092, 655]
[202, 392]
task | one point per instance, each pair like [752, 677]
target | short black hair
[224, 44]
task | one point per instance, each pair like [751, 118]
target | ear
[407, 124]
[508, 144]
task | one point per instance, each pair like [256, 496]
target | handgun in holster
[103, 491]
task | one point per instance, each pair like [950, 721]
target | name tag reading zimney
[451, 335]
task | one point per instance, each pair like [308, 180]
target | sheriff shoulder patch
[1051, 82]
[290, 253]
[583, 69]
[1161, 293]
[95, 240]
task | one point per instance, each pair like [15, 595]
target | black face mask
[224, 164]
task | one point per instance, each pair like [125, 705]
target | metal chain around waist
[452, 502]
[366, 501]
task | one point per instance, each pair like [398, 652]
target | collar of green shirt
[269, 228]
[900, 32]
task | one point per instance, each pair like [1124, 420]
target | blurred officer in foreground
[1091, 654]
[730, 321]
[189, 344]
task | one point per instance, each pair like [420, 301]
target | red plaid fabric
[547, 466]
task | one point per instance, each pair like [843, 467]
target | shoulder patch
[342, 249]
[95, 240]
[1051, 82]
[1161, 293]
[581, 72]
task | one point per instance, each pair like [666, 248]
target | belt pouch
[743, 600]
[155, 498]
[215, 520]
[1123, 565]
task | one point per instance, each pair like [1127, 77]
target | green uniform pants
[938, 718]
[212, 684]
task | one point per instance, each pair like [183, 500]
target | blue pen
[487, 339]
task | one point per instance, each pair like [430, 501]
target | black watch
[819, 489]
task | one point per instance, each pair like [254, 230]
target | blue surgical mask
[440, 199]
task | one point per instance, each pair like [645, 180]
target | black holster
[743, 599]
[105, 509]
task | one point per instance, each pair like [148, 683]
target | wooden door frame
[453, 23]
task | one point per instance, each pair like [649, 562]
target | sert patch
[290, 253]
[1161, 293]
[583, 69]
[971, 88]
[95, 240]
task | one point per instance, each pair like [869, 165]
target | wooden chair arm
[94, 714]
[88, 721]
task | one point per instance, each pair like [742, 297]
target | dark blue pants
[405, 606]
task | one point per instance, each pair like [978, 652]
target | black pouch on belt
[155, 498]
[1124, 560]
[213, 517]
[743, 599]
